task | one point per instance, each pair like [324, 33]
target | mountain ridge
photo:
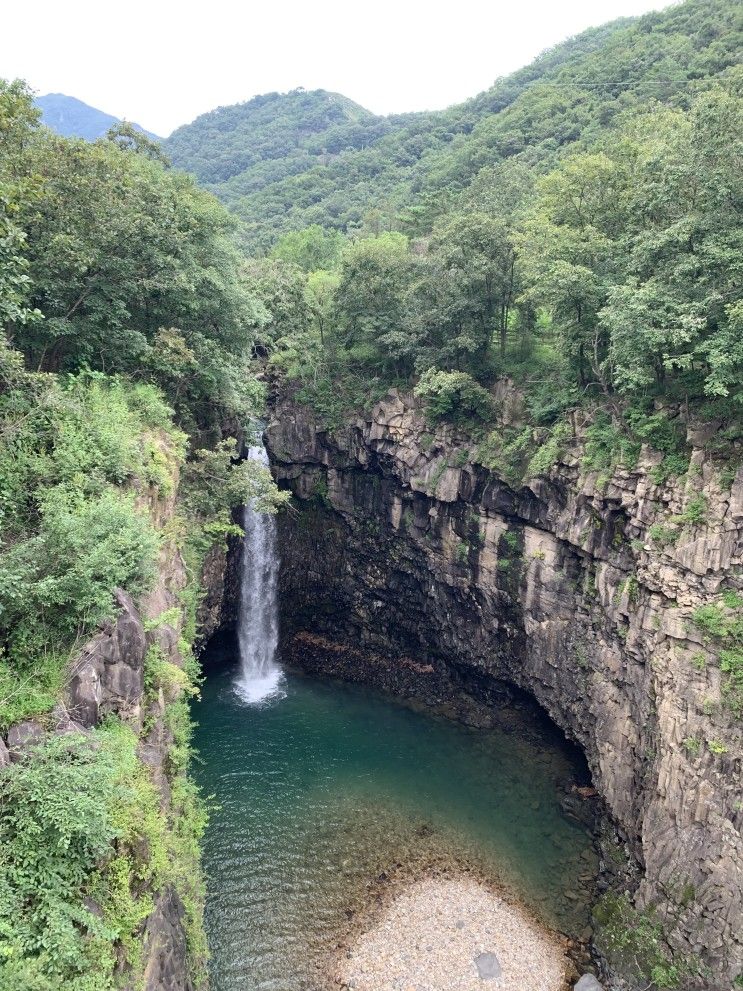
[73, 118]
[566, 97]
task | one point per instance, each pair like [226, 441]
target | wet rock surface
[405, 547]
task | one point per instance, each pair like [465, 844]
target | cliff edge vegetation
[126, 338]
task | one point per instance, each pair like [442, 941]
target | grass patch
[722, 625]
[635, 943]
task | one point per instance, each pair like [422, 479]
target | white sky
[162, 62]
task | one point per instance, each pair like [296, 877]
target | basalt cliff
[404, 553]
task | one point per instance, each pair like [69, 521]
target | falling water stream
[258, 623]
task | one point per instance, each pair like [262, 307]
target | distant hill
[291, 128]
[72, 118]
[285, 161]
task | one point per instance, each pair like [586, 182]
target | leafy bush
[79, 453]
[722, 623]
[453, 396]
[81, 834]
[548, 454]
[636, 941]
[341, 396]
[606, 445]
[695, 512]
[731, 664]
[59, 582]
[214, 482]
[662, 533]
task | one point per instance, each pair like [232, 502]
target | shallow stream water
[330, 787]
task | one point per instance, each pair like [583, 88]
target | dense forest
[576, 228]
[286, 162]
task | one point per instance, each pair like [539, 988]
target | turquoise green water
[321, 790]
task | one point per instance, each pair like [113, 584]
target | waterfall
[258, 614]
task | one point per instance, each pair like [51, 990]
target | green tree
[569, 254]
[118, 248]
[321, 289]
[675, 309]
[310, 249]
[18, 118]
[371, 304]
[126, 136]
[282, 288]
[477, 253]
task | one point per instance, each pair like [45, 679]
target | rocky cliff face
[405, 547]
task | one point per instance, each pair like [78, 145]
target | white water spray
[258, 614]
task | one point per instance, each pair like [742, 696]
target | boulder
[488, 967]
[588, 983]
[165, 949]
[22, 736]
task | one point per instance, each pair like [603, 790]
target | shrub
[71, 820]
[663, 533]
[635, 939]
[214, 482]
[717, 748]
[550, 451]
[506, 452]
[671, 466]
[512, 540]
[453, 396]
[76, 453]
[714, 621]
[59, 581]
[722, 623]
[606, 446]
[695, 512]
[731, 664]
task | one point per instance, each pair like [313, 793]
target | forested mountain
[293, 129]
[72, 118]
[576, 227]
[284, 162]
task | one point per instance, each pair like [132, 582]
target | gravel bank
[453, 934]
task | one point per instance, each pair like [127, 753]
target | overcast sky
[162, 63]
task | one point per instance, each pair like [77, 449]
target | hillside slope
[292, 129]
[72, 118]
[282, 162]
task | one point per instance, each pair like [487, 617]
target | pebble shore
[452, 934]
